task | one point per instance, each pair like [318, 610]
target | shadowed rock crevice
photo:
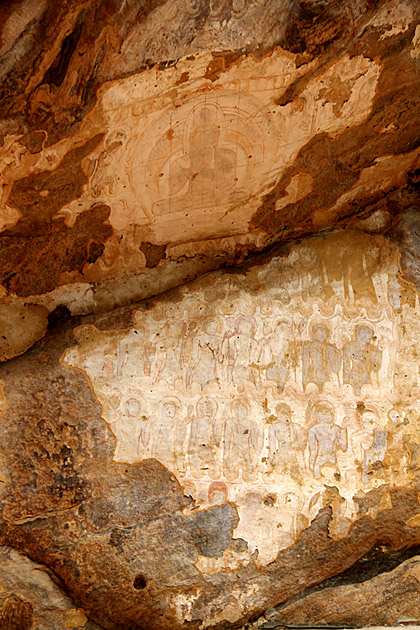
[381, 559]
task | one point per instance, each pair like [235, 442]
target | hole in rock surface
[139, 582]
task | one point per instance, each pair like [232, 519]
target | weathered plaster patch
[414, 521]
[233, 611]
[360, 76]
[264, 389]
[230, 613]
[183, 605]
[230, 560]
[376, 223]
[8, 217]
[300, 186]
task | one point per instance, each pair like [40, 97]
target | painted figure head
[324, 413]
[320, 333]
[284, 413]
[240, 408]
[364, 334]
[206, 407]
[171, 408]
[218, 493]
[132, 407]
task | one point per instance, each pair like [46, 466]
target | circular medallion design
[210, 152]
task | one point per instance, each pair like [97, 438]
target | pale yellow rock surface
[267, 387]
[21, 325]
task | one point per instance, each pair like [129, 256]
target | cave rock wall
[218, 451]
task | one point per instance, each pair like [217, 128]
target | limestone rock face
[144, 143]
[245, 444]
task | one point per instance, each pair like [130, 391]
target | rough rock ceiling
[143, 143]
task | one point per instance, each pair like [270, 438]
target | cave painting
[203, 367]
[206, 156]
[205, 170]
[204, 437]
[190, 152]
[243, 443]
[320, 359]
[285, 439]
[362, 359]
[325, 438]
[266, 402]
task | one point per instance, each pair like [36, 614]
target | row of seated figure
[206, 443]
[235, 356]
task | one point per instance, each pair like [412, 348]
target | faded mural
[192, 165]
[270, 388]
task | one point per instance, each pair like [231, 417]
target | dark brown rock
[16, 614]
[390, 599]
[38, 236]
[31, 597]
